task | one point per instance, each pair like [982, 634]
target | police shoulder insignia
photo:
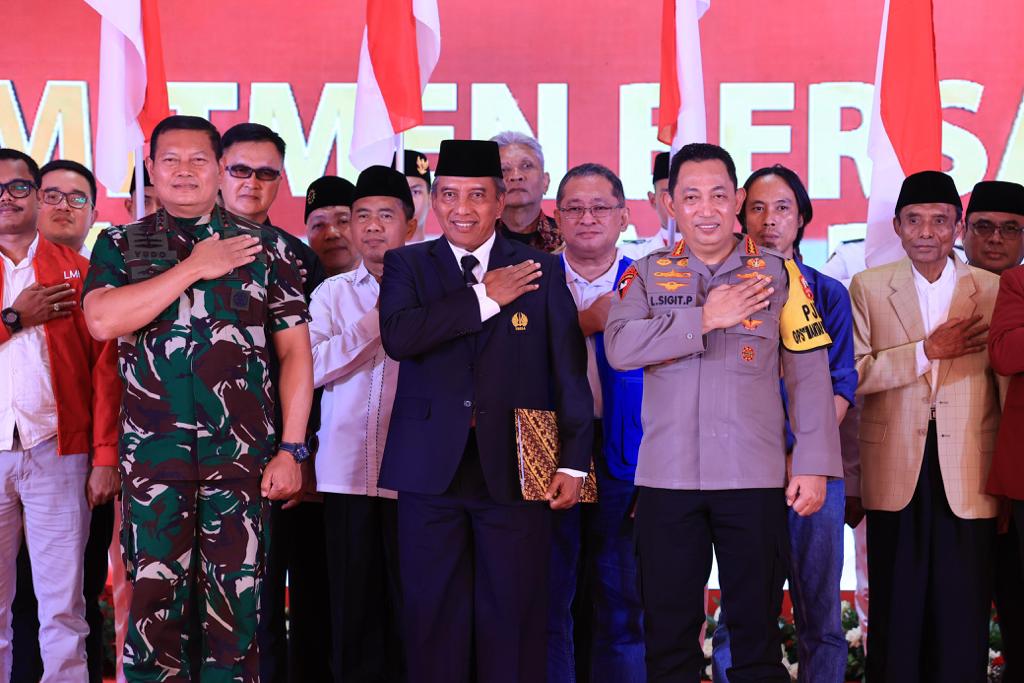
[626, 280]
[679, 249]
[800, 325]
[750, 247]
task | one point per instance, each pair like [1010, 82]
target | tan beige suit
[897, 400]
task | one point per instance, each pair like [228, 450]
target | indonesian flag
[401, 46]
[682, 117]
[906, 118]
[133, 85]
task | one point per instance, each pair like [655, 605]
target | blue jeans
[604, 531]
[816, 565]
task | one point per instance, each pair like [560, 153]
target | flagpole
[140, 182]
[400, 152]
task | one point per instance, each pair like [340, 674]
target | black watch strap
[11, 319]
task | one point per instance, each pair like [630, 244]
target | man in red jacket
[59, 396]
[995, 219]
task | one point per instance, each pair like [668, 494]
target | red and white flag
[133, 84]
[682, 117]
[401, 46]
[906, 118]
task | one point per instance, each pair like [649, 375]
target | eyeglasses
[600, 213]
[1008, 231]
[19, 189]
[75, 199]
[262, 173]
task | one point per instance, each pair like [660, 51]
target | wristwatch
[298, 450]
[12, 319]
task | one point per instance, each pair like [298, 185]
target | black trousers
[27, 666]
[365, 594]
[300, 651]
[930, 574]
[1009, 596]
[474, 583]
[675, 533]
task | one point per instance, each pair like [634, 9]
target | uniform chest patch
[240, 300]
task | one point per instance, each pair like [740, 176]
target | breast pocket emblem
[519, 322]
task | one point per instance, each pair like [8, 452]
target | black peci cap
[330, 190]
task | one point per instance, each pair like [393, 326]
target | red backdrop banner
[786, 81]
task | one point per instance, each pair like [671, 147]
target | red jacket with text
[1006, 353]
[83, 371]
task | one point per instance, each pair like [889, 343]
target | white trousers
[42, 495]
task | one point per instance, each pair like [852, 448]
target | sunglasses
[262, 173]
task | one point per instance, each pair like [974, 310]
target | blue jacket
[833, 302]
[621, 394]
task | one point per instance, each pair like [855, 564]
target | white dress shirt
[934, 298]
[488, 306]
[359, 383]
[585, 293]
[26, 390]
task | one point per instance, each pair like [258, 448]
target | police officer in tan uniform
[713, 321]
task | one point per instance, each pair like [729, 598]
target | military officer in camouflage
[713, 320]
[191, 291]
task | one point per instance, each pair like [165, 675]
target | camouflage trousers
[191, 544]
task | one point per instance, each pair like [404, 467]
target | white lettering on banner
[62, 127]
[72, 274]
[738, 134]
[970, 160]
[1012, 167]
[436, 97]
[197, 98]
[494, 109]
[638, 137]
[273, 105]
[828, 143]
[62, 121]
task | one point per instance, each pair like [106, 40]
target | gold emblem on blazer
[520, 321]
[671, 286]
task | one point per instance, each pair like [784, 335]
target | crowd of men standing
[336, 415]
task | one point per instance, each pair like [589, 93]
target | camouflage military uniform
[197, 428]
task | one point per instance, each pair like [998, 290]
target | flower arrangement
[856, 659]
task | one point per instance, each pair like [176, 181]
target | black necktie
[469, 262]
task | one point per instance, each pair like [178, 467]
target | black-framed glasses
[19, 189]
[1008, 231]
[599, 212]
[75, 199]
[262, 173]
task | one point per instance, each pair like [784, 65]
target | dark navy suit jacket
[453, 366]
